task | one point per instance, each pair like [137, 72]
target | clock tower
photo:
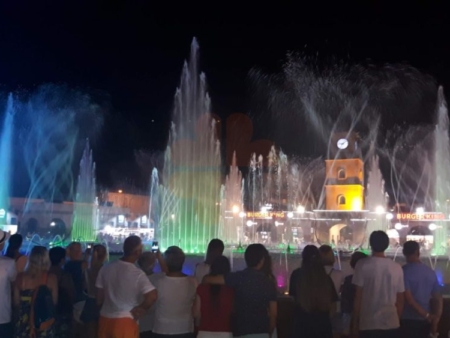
[344, 184]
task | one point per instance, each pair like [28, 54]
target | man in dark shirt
[255, 296]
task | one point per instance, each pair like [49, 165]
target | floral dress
[23, 328]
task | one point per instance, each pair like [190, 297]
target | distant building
[50, 218]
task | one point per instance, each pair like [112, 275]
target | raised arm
[161, 262]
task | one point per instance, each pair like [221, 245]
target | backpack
[42, 314]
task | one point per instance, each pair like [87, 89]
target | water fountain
[231, 229]
[376, 199]
[442, 172]
[85, 220]
[5, 155]
[192, 166]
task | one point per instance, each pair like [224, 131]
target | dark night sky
[132, 53]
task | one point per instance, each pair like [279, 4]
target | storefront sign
[268, 214]
[430, 216]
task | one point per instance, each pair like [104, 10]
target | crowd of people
[126, 299]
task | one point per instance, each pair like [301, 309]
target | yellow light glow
[235, 209]
[356, 204]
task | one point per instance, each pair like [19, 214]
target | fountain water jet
[192, 166]
[442, 172]
[85, 221]
[5, 155]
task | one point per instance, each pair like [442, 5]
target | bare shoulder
[52, 279]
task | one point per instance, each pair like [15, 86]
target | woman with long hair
[214, 306]
[314, 296]
[267, 269]
[13, 251]
[328, 261]
[35, 275]
[214, 250]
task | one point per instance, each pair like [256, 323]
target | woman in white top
[215, 249]
[336, 275]
[176, 298]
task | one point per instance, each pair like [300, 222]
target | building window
[341, 200]
[341, 174]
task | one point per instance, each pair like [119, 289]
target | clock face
[342, 143]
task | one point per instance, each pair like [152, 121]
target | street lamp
[290, 214]
[301, 209]
[432, 227]
[398, 226]
[389, 216]
[235, 209]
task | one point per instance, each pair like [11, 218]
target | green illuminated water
[185, 206]
[442, 168]
[85, 222]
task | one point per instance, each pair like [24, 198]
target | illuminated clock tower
[344, 185]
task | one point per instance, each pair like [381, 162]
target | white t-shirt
[381, 279]
[123, 285]
[173, 309]
[7, 276]
[201, 270]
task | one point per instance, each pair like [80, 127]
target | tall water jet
[442, 172]
[376, 199]
[5, 155]
[232, 206]
[192, 166]
[85, 220]
[154, 210]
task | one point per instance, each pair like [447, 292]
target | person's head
[327, 255]
[147, 262]
[99, 254]
[411, 250]
[215, 249]
[356, 256]
[309, 252]
[220, 266]
[14, 244]
[38, 261]
[174, 258]
[379, 241]
[3, 238]
[74, 251]
[254, 256]
[57, 256]
[132, 248]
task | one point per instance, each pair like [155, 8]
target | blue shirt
[253, 293]
[421, 281]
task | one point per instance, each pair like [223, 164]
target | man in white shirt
[7, 276]
[379, 297]
[124, 293]
[176, 298]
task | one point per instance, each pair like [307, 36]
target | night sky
[129, 55]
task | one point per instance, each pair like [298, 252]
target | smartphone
[155, 246]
